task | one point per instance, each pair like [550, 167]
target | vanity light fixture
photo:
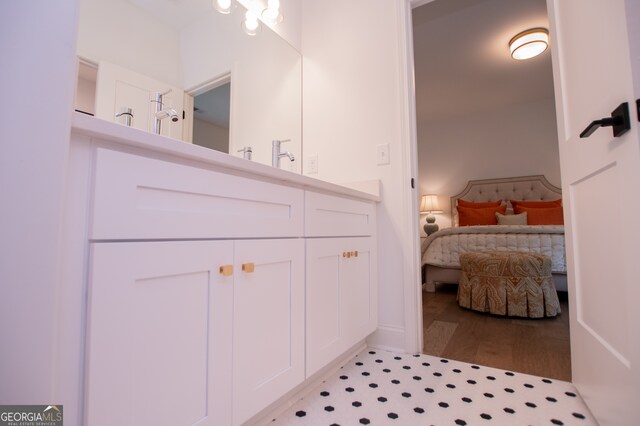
[271, 15]
[222, 6]
[529, 43]
[251, 25]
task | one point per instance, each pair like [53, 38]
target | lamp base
[430, 228]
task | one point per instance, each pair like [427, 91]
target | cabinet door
[268, 318]
[159, 334]
[358, 290]
[341, 297]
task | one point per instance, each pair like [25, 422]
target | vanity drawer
[331, 216]
[142, 198]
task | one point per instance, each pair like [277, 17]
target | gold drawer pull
[248, 267]
[226, 270]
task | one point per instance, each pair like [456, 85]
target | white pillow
[512, 219]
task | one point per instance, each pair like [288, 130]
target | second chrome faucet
[276, 154]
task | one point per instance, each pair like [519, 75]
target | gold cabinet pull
[248, 267]
[226, 270]
[355, 253]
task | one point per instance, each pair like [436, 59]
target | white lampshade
[429, 204]
[529, 43]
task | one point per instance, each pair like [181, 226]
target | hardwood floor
[532, 346]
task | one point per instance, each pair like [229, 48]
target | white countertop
[83, 124]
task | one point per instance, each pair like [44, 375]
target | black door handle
[619, 120]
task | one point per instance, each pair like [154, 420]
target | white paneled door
[593, 74]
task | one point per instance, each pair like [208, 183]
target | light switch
[383, 154]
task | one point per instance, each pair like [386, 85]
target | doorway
[483, 115]
[211, 117]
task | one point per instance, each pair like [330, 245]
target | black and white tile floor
[384, 388]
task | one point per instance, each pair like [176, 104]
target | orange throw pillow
[538, 204]
[542, 215]
[469, 216]
[470, 204]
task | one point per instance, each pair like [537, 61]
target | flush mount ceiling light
[529, 43]
[222, 6]
[272, 15]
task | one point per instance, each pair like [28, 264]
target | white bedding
[444, 247]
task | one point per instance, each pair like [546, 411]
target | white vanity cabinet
[214, 286]
[184, 330]
[341, 276]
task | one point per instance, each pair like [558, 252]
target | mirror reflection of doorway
[211, 111]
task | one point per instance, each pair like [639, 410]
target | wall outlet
[383, 154]
[312, 164]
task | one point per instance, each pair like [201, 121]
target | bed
[441, 250]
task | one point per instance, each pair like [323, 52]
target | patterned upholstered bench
[508, 283]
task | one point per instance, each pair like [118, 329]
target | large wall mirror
[184, 70]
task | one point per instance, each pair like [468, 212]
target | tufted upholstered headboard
[529, 188]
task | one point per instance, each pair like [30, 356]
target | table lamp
[429, 205]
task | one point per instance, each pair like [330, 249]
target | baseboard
[388, 338]
[267, 415]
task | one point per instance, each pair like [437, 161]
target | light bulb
[251, 20]
[251, 26]
[272, 15]
[222, 6]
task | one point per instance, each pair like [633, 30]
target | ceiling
[462, 60]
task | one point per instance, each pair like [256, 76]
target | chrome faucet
[246, 152]
[276, 155]
[160, 113]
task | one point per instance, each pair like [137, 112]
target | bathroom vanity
[210, 287]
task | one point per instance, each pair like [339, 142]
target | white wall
[519, 140]
[118, 32]
[210, 136]
[38, 69]
[353, 92]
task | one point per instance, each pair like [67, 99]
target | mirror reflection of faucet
[161, 113]
[246, 152]
[276, 154]
[126, 116]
